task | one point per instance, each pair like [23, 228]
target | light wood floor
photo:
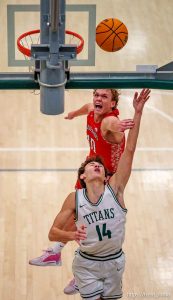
[39, 156]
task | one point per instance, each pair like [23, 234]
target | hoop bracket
[51, 62]
[41, 52]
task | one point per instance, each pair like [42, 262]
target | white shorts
[97, 279]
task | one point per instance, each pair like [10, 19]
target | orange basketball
[111, 35]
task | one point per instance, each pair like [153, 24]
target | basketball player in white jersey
[100, 213]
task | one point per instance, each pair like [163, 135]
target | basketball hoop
[24, 45]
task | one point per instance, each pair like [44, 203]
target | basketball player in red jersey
[105, 133]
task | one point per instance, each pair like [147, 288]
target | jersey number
[104, 232]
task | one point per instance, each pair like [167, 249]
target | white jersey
[105, 222]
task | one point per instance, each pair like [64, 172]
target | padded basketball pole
[52, 54]
[52, 73]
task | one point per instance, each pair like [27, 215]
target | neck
[94, 190]
[98, 118]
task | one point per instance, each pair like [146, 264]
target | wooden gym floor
[39, 156]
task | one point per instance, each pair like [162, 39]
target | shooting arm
[125, 163]
[120, 179]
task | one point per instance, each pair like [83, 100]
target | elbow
[131, 150]
[119, 138]
[51, 235]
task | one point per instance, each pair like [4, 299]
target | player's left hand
[140, 99]
[70, 116]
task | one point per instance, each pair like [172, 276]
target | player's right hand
[70, 116]
[80, 233]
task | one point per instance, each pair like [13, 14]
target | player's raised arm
[119, 180]
[84, 110]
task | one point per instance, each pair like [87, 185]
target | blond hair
[115, 96]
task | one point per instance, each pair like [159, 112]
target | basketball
[111, 35]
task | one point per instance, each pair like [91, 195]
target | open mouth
[97, 170]
[98, 106]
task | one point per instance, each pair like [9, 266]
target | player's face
[103, 102]
[94, 170]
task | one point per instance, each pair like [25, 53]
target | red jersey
[110, 153]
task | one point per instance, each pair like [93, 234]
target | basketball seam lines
[113, 32]
[110, 28]
[116, 35]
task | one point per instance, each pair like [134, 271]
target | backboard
[146, 34]
[150, 33]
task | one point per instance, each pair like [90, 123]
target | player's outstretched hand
[140, 99]
[125, 124]
[70, 116]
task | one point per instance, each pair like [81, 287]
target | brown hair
[115, 96]
[81, 170]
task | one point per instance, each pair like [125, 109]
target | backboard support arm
[145, 76]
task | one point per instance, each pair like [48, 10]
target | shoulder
[70, 201]
[118, 190]
[71, 196]
[109, 119]
[111, 116]
[90, 107]
[90, 110]
[113, 113]
[90, 116]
